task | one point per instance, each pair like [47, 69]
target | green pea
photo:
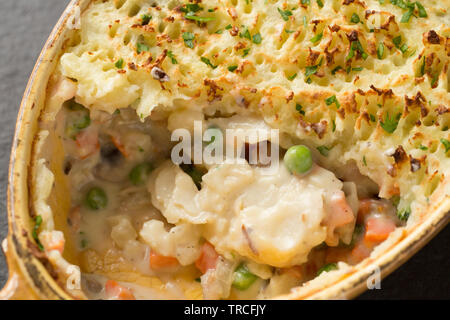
[243, 278]
[328, 267]
[298, 159]
[96, 199]
[139, 174]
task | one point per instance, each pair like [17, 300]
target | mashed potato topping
[359, 91]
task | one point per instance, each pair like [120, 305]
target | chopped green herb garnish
[355, 18]
[317, 38]
[146, 19]
[220, 31]
[207, 62]
[364, 161]
[285, 14]
[397, 41]
[422, 11]
[390, 124]
[331, 100]
[228, 27]
[333, 125]
[372, 118]
[324, 150]
[37, 225]
[446, 144]
[198, 19]
[119, 64]
[292, 77]
[232, 68]
[422, 147]
[172, 57]
[333, 72]
[246, 51]
[289, 31]
[245, 33]
[188, 38]
[142, 47]
[404, 48]
[299, 108]
[407, 15]
[306, 2]
[403, 214]
[310, 70]
[320, 3]
[257, 38]
[188, 8]
[326, 268]
[357, 69]
[380, 50]
[305, 22]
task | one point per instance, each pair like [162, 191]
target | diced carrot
[378, 229]
[158, 261]
[208, 258]
[120, 146]
[87, 142]
[116, 291]
[339, 214]
[56, 245]
[359, 252]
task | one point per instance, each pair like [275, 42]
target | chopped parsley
[397, 42]
[142, 47]
[355, 18]
[365, 161]
[119, 64]
[310, 70]
[146, 19]
[422, 147]
[220, 31]
[333, 72]
[285, 14]
[299, 108]
[246, 51]
[403, 214]
[320, 3]
[356, 46]
[446, 144]
[317, 38]
[232, 68]
[390, 124]
[172, 57]
[292, 77]
[357, 69]
[191, 8]
[422, 67]
[380, 50]
[324, 150]
[372, 118]
[198, 19]
[407, 15]
[422, 11]
[289, 31]
[245, 33]
[333, 125]
[257, 38]
[306, 2]
[228, 27]
[326, 268]
[37, 224]
[188, 38]
[331, 100]
[207, 62]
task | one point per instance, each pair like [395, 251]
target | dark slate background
[24, 27]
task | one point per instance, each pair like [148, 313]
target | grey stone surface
[24, 27]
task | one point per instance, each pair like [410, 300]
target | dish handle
[17, 287]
